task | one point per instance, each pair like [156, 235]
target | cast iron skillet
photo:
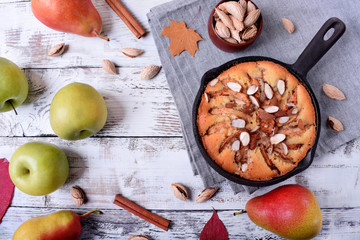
[308, 58]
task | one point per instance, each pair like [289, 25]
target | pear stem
[88, 213]
[13, 108]
[240, 212]
[102, 37]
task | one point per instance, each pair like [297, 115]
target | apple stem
[88, 213]
[13, 107]
[102, 37]
[240, 212]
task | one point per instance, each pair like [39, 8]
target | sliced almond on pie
[238, 123]
[285, 148]
[283, 120]
[281, 86]
[277, 138]
[234, 86]
[213, 82]
[268, 91]
[271, 109]
[245, 138]
[236, 145]
[206, 97]
[254, 101]
[252, 90]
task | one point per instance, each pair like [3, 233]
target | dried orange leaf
[181, 38]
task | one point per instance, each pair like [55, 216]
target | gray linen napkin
[339, 67]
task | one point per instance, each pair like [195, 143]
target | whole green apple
[38, 168]
[77, 111]
[13, 85]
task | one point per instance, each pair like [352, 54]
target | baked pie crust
[256, 120]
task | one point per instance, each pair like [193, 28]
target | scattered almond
[149, 72]
[179, 191]
[131, 52]
[138, 237]
[288, 25]
[333, 92]
[335, 124]
[206, 194]
[56, 50]
[78, 195]
[234, 86]
[109, 67]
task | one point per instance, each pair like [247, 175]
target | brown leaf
[214, 229]
[181, 38]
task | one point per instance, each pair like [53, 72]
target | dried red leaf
[214, 229]
[181, 38]
[7, 187]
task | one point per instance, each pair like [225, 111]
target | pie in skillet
[256, 120]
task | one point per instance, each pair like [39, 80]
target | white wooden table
[140, 151]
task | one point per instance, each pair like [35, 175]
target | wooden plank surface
[143, 170]
[26, 41]
[338, 224]
[135, 107]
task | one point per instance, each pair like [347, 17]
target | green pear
[77, 111]
[13, 85]
[290, 211]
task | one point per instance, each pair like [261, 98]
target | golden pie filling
[256, 120]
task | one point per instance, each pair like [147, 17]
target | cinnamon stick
[141, 212]
[127, 17]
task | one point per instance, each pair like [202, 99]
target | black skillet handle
[318, 46]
